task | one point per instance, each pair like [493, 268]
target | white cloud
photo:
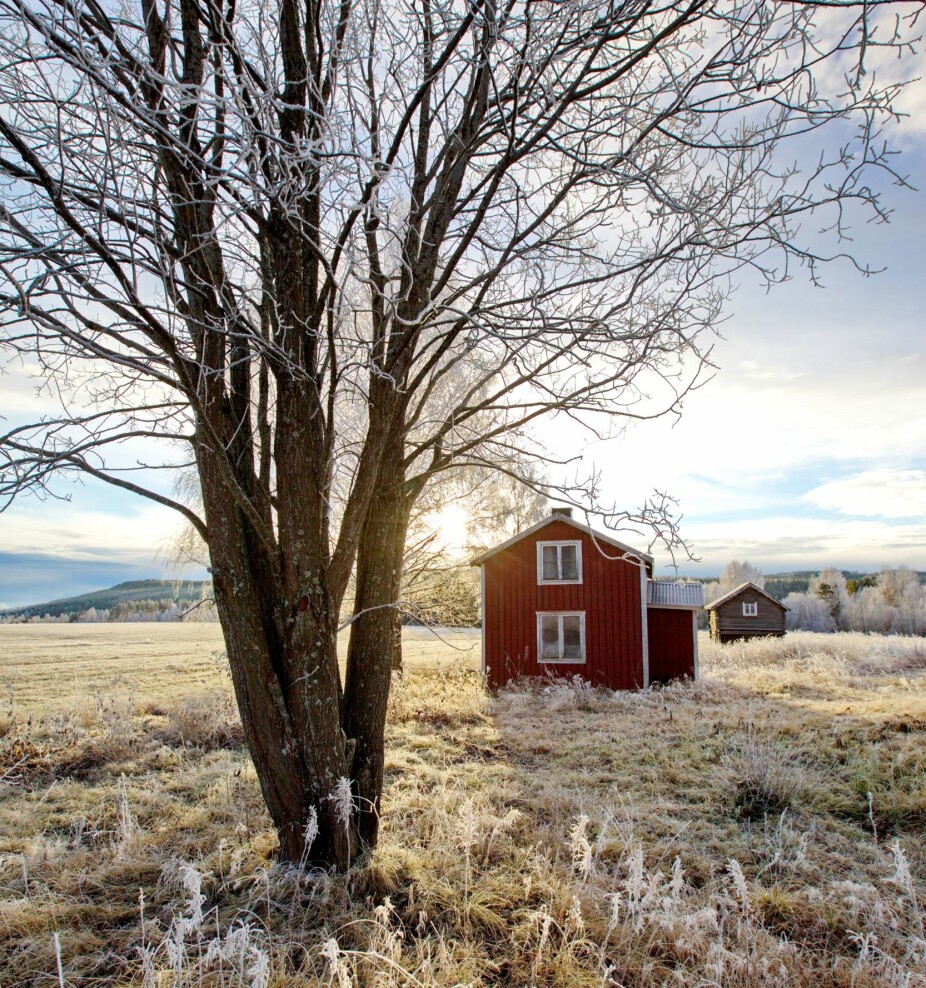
[755, 371]
[740, 438]
[21, 393]
[67, 532]
[880, 493]
[786, 543]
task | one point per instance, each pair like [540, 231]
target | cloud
[754, 371]
[131, 536]
[34, 578]
[876, 493]
[788, 543]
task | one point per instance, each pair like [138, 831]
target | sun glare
[450, 525]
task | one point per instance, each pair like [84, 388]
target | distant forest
[135, 600]
[781, 584]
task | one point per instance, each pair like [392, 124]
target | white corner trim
[694, 632]
[482, 606]
[643, 627]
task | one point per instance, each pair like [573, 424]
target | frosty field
[47, 666]
[763, 826]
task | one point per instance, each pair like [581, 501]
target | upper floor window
[559, 562]
[750, 609]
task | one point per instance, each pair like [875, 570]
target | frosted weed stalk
[345, 806]
[581, 848]
[903, 878]
[239, 955]
[127, 829]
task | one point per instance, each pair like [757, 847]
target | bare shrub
[764, 777]
[207, 721]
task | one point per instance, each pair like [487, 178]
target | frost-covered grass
[763, 826]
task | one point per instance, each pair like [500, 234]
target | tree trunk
[372, 650]
[283, 660]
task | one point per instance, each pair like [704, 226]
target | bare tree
[829, 586]
[261, 239]
[735, 573]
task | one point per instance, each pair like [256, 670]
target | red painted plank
[671, 644]
[609, 595]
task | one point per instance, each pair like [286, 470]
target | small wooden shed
[560, 599]
[747, 611]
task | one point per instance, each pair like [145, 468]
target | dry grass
[44, 667]
[763, 826]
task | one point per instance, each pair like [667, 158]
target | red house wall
[671, 644]
[609, 594]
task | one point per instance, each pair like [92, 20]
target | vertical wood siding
[609, 595]
[671, 644]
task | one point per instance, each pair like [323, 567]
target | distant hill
[168, 591]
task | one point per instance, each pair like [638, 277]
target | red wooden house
[562, 599]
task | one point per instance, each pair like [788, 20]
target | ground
[762, 826]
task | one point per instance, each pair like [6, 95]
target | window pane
[572, 637]
[550, 563]
[549, 636]
[570, 569]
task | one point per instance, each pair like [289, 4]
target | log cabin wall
[728, 622]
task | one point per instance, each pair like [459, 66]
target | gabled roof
[665, 594]
[585, 529]
[744, 586]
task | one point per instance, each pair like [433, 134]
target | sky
[806, 449]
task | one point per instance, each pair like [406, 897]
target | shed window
[559, 562]
[750, 609]
[561, 637]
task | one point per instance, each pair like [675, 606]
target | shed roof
[744, 586]
[586, 529]
[666, 594]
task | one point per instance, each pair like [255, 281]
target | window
[750, 609]
[561, 637]
[559, 562]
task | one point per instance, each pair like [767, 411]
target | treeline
[124, 612]
[892, 601]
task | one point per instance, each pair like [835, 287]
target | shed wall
[671, 644]
[609, 595]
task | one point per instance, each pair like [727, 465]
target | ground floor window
[561, 637]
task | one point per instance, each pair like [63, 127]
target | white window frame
[750, 608]
[558, 543]
[560, 614]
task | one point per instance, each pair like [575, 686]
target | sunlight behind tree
[450, 526]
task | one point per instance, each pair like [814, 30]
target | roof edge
[585, 529]
[739, 589]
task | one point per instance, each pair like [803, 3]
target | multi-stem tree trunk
[281, 649]
[372, 650]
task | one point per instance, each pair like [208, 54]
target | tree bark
[372, 651]
[283, 660]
